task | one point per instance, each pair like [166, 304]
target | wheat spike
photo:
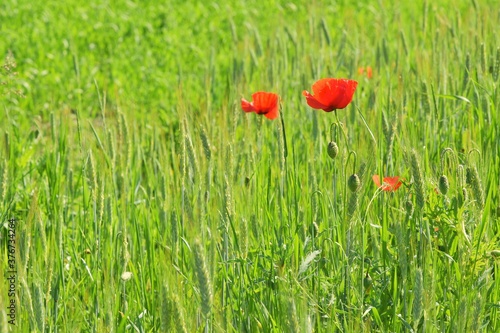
[353, 205]
[206, 144]
[473, 180]
[418, 290]
[293, 324]
[418, 180]
[483, 57]
[244, 237]
[193, 162]
[496, 66]
[426, 104]
[5, 177]
[476, 316]
[466, 71]
[178, 314]
[203, 279]
[166, 310]
[402, 257]
[38, 306]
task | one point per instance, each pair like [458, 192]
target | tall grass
[148, 201]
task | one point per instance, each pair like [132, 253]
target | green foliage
[124, 150]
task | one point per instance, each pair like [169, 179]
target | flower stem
[340, 125]
[285, 148]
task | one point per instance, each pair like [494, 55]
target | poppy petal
[323, 90]
[273, 113]
[334, 93]
[376, 180]
[350, 88]
[392, 183]
[247, 106]
[320, 85]
[337, 94]
[313, 102]
[369, 72]
[264, 101]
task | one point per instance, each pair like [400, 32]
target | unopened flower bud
[333, 149]
[354, 182]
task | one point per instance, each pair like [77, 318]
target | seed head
[473, 180]
[203, 276]
[416, 171]
[444, 185]
[314, 229]
[468, 176]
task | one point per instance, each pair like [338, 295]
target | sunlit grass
[125, 151]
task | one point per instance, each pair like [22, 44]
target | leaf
[460, 98]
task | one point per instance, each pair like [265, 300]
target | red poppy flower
[389, 184]
[331, 94]
[264, 103]
[369, 72]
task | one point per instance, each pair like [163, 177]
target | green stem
[340, 125]
[285, 152]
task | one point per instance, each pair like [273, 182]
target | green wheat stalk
[418, 290]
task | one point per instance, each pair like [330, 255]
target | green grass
[124, 150]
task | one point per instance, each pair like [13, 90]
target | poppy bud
[444, 185]
[354, 182]
[333, 149]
